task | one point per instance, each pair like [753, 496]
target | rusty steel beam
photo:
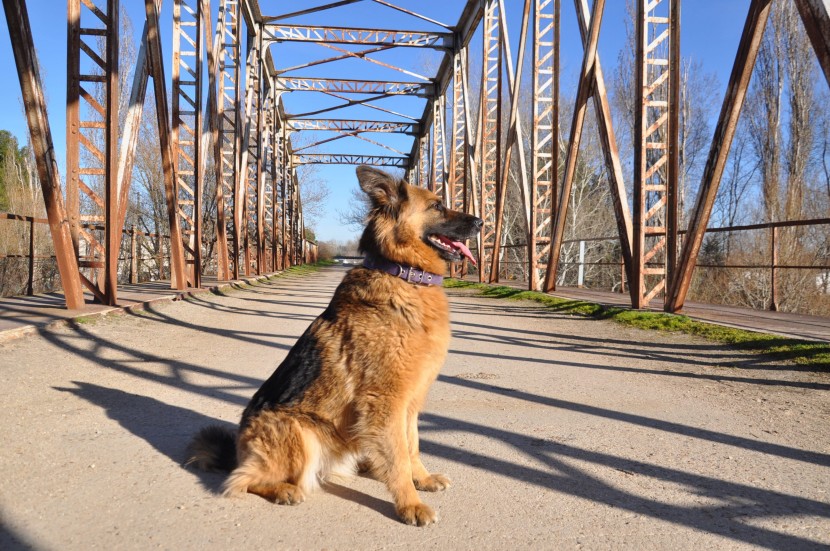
[92, 172]
[266, 183]
[733, 101]
[612, 162]
[544, 137]
[348, 35]
[471, 147]
[438, 150]
[514, 135]
[34, 102]
[490, 137]
[112, 231]
[584, 89]
[456, 198]
[412, 13]
[349, 159]
[227, 48]
[350, 86]
[263, 183]
[468, 21]
[186, 136]
[816, 17]
[132, 125]
[284, 193]
[673, 171]
[309, 10]
[655, 150]
[177, 260]
[246, 183]
[347, 125]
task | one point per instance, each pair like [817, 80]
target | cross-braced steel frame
[464, 140]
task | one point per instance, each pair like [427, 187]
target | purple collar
[407, 273]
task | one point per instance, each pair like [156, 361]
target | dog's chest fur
[380, 339]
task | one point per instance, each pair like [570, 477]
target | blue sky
[710, 32]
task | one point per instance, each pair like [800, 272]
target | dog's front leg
[392, 463]
[421, 477]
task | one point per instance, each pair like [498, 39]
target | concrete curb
[27, 330]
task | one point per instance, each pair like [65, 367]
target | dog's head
[410, 225]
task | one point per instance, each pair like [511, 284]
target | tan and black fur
[351, 388]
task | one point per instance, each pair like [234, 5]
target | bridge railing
[770, 254]
[772, 265]
[130, 254]
[31, 254]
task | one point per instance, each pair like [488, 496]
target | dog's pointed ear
[383, 189]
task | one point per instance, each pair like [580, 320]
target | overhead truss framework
[461, 142]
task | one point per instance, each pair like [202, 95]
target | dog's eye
[438, 206]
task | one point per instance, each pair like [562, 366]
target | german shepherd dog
[350, 390]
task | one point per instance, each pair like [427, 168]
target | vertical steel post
[133, 257]
[226, 146]
[544, 136]
[264, 182]
[457, 183]
[491, 157]
[284, 201]
[438, 181]
[187, 129]
[112, 231]
[93, 170]
[472, 147]
[773, 256]
[177, 260]
[672, 213]
[247, 177]
[30, 282]
[654, 148]
[424, 161]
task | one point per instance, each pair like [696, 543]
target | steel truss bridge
[243, 125]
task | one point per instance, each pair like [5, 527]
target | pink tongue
[461, 247]
[464, 250]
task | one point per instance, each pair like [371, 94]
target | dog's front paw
[433, 483]
[417, 515]
[288, 494]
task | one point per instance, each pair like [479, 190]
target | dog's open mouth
[454, 249]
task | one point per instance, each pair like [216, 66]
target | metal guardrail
[310, 250]
[773, 265]
[31, 256]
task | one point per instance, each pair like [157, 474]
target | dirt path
[558, 433]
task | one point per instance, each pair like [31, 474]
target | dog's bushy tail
[213, 449]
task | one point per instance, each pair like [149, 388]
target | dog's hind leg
[273, 460]
[421, 477]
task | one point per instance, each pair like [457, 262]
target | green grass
[811, 355]
[82, 320]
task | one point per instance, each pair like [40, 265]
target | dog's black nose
[478, 223]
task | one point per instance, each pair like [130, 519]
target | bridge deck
[557, 431]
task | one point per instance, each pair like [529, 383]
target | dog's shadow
[169, 428]
[165, 427]
[378, 505]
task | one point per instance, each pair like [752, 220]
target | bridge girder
[467, 162]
